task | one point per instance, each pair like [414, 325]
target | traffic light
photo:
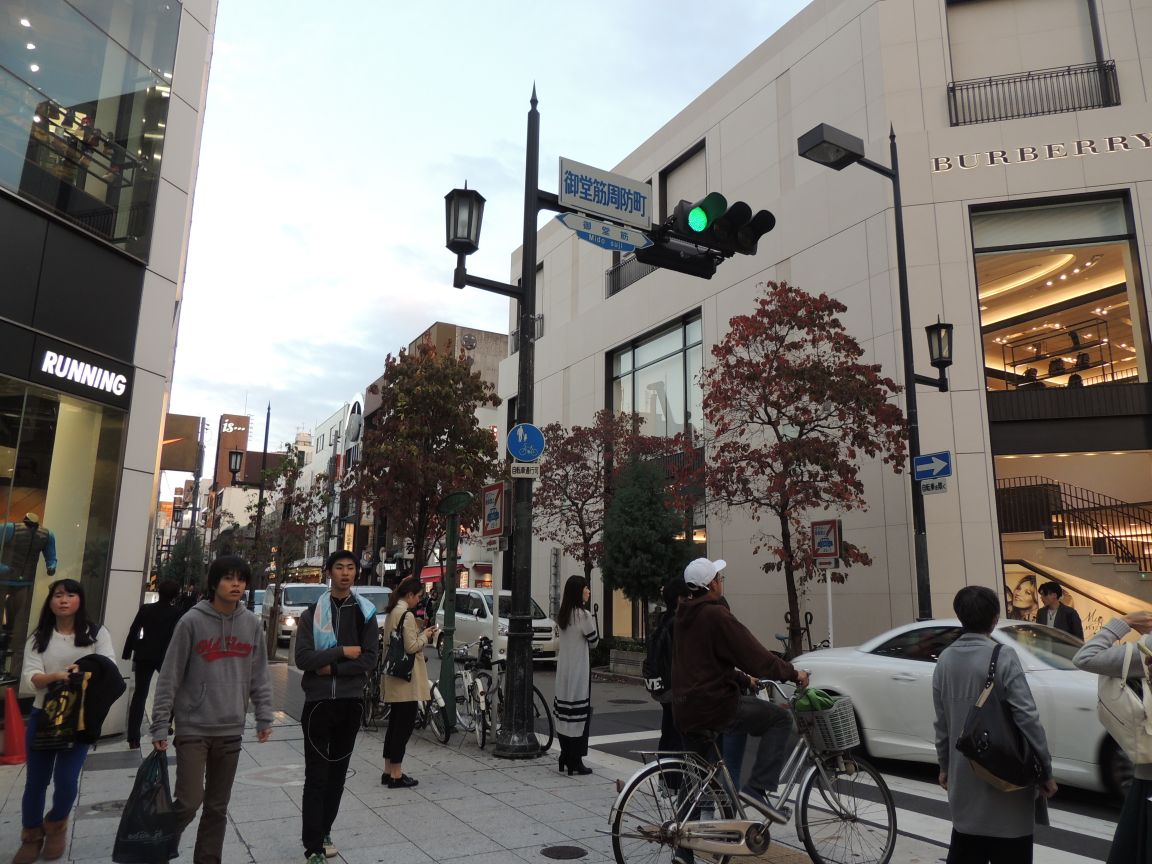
[729, 230]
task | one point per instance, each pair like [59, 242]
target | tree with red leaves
[792, 413]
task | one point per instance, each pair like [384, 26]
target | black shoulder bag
[999, 754]
[398, 662]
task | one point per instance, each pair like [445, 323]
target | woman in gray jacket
[1101, 654]
[988, 825]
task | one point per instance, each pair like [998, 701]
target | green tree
[640, 547]
[185, 565]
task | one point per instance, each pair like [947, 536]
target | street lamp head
[235, 460]
[464, 211]
[939, 344]
[830, 146]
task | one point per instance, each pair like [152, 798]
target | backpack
[657, 666]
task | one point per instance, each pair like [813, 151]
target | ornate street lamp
[465, 213]
[235, 460]
[939, 344]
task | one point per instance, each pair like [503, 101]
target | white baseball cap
[701, 572]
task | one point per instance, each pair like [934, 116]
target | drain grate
[627, 701]
[564, 853]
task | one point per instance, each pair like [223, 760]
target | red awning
[482, 568]
[430, 573]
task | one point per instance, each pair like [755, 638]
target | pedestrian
[336, 646]
[989, 826]
[216, 664]
[572, 703]
[62, 636]
[1104, 656]
[366, 567]
[1058, 614]
[661, 642]
[147, 642]
[404, 695]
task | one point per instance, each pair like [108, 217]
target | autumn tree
[792, 413]
[424, 442]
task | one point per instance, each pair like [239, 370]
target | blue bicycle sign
[525, 442]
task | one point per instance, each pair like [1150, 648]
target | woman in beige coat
[404, 695]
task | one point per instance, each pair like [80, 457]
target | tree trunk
[795, 646]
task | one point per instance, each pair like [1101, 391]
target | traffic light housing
[700, 235]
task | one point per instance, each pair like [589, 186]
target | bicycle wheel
[846, 813]
[437, 722]
[543, 725]
[659, 796]
[480, 716]
[369, 702]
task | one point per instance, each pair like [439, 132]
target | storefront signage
[1042, 152]
[73, 370]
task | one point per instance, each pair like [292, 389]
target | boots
[31, 839]
[55, 839]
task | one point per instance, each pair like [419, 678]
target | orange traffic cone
[14, 752]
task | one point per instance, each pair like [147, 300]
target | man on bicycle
[715, 658]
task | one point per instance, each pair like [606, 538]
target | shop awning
[481, 567]
[431, 573]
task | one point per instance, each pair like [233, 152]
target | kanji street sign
[493, 509]
[525, 442]
[933, 487]
[931, 466]
[525, 470]
[605, 234]
[619, 198]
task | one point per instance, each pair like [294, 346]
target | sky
[332, 133]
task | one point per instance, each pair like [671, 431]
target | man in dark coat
[147, 643]
[1056, 614]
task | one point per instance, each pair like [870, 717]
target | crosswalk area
[1072, 837]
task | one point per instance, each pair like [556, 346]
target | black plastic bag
[148, 832]
[59, 716]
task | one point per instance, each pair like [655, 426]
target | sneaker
[758, 798]
[315, 858]
[330, 850]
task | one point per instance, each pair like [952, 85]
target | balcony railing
[1031, 94]
[617, 278]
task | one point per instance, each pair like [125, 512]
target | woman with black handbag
[405, 682]
[63, 635]
[989, 825]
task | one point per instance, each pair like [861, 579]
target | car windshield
[1053, 647]
[506, 608]
[259, 598]
[379, 599]
[302, 595]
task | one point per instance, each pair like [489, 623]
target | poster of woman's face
[1022, 599]
[1022, 602]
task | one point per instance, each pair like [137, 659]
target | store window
[59, 471]
[1060, 296]
[83, 110]
[657, 378]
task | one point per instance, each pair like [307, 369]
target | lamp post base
[511, 745]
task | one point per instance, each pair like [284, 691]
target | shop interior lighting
[35, 67]
[24, 22]
[31, 46]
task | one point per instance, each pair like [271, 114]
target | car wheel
[1115, 769]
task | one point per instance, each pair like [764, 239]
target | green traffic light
[697, 219]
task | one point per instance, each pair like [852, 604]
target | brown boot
[55, 839]
[31, 839]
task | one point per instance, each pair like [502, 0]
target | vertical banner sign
[493, 509]
[826, 540]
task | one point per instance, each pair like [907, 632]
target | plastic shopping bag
[147, 832]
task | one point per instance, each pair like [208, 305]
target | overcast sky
[332, 133]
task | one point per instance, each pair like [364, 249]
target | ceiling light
[1076, 270]
[25, 22]
[1063, 276]
[36, 118]
[1049, 283]
[31, 46]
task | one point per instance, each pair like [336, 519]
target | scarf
[322, 632]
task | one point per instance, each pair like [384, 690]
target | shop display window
[83, 113]
[1060, 298]
[59, 473]
[658, 378]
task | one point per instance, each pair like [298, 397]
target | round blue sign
[525, 442]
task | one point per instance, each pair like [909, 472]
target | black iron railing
[1086, 519]
[1031, 94]
[617, 278]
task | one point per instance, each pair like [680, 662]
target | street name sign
[525, 442]
[614, 196]
[932, 466]
[605, 234]
[525, 470]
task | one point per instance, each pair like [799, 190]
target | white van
[474, 619]
[294, 598]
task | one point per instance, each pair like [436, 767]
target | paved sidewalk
[469, 807]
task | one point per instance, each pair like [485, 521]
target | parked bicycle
[472, 714]
[431, 714]
[785, 651]
[543, 724]
[680, 801]
[374, 709]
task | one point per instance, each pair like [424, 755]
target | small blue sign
[525, 442]
[931, 466]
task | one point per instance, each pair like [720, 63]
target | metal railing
[617, 278]
[1085, 518]
[1031, 94]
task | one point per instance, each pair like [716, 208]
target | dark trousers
[60, 767]
[670, 737]
[401, 720]
[205, 770]
[144, 672]
[773, 726]
[1133, 838]
[329, 728]
[977, 849]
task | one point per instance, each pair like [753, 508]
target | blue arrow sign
[525, 442]
[929, 466]
[605, 234]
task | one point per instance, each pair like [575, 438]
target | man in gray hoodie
[216, 663]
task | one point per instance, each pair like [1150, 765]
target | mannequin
[21, 544]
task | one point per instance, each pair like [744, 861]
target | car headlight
[556, 632]
[288, 621]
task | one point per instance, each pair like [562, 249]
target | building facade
[100, 123]
[1025, 161]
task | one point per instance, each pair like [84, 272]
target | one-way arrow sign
[930, 466]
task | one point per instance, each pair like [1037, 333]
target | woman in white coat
[572, 704]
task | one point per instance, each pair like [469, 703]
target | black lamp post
[838, 149]
[235, 460]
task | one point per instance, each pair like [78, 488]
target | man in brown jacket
[713, 659]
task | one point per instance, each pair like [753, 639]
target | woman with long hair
[572, 703]
[1025, 600]
[403, 696]
[63, 635]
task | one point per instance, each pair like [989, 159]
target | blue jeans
[60, 767]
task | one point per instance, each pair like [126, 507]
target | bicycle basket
[832, 730]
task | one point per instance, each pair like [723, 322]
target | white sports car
[889, 679]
